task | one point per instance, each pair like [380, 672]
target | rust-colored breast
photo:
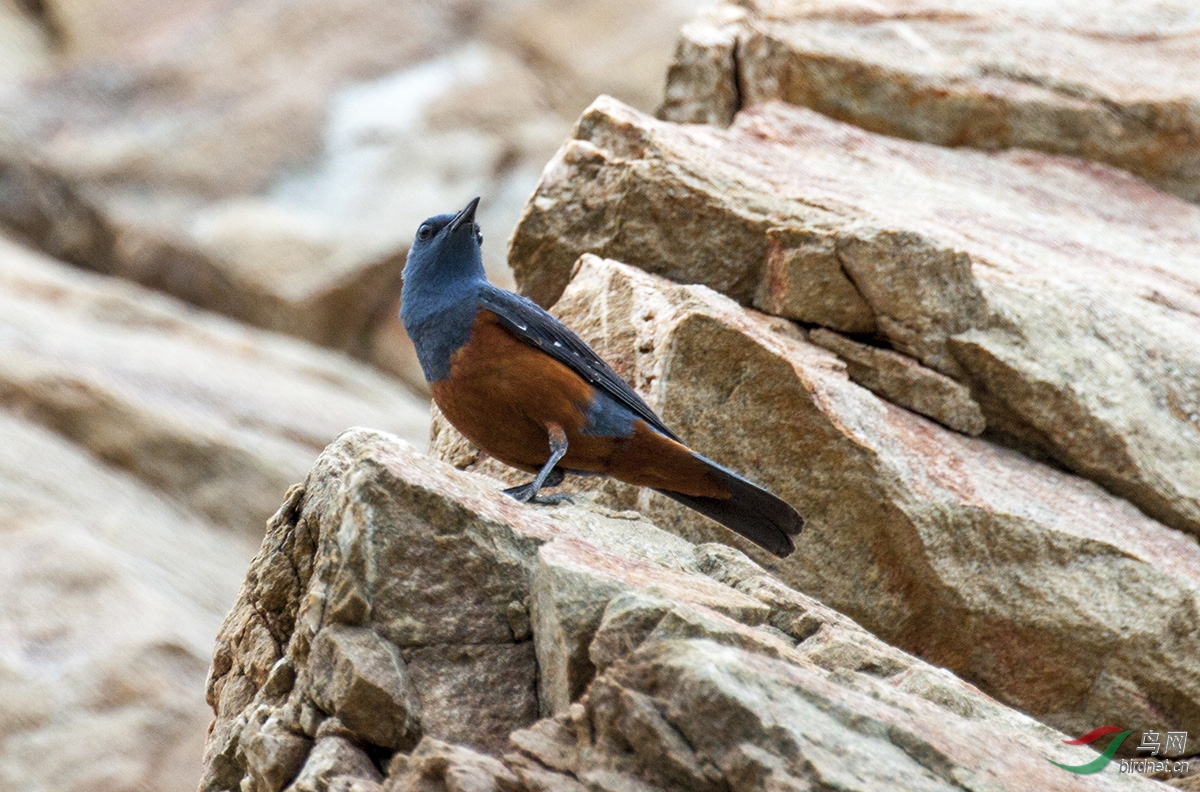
[503, 394]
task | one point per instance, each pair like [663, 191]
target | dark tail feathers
[749, 510]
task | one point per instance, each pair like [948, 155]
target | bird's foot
[526, 493]
[522, 493]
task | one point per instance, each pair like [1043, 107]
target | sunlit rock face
[1108, 82]
[1062, 294]
[513, 647]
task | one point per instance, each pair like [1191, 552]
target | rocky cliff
[1107, 82]
[407, 627]
[1062, 295]
[1048, 592]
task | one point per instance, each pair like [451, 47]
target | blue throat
[440, 299]
[440, 326]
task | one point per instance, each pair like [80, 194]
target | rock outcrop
[903, 381]
[599, 652]
[1065, 295]
[1049, 593]
[1110, 82]
[264, 160]
[970, 360]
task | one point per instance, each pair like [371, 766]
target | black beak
[465, 217]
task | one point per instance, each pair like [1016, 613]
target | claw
[522, 493]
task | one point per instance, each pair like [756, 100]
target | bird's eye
[478, 235]
[425, 231]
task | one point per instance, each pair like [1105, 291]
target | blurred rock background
[205, 206]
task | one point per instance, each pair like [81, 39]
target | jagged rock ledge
[1049, 593]
[1110, 82]
[405, 626]
[1062, 294]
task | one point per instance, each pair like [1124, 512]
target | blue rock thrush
[526, 389]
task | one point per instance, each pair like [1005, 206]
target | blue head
[444, 258]
[442, 277]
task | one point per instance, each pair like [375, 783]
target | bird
[528, 391]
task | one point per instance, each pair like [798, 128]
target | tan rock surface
[1065, 295]
[335, 762]
[803, 279]
[1114, 82]
[903, 381]
[204, 175]
[580, 50]
[88, 30]
[459, 612]
[219, 417]
[709, 673]
[437, 764]
[1049, 593]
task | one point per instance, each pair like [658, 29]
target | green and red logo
[1101, 761]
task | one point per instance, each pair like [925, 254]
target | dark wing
[526, 320]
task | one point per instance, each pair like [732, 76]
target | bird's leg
[548, 476]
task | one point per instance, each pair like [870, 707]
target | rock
[216, 206]
[702, 80]
[336, 763]
[361, 679]
[693, 714]
[709, 672]
[1052, 595]
[1110, 82]
[112, 593]
[346, 783]
[352, 784]
[453, 614]
[145, 445]
[45, 210]
[901, 380]
[572, 583]
[274, 755]
[220, 417]
[475, 694]
[440, 765]
[1063, 294]
[98, 29]
[803, 279]
[1189, 782]
[581, 50]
